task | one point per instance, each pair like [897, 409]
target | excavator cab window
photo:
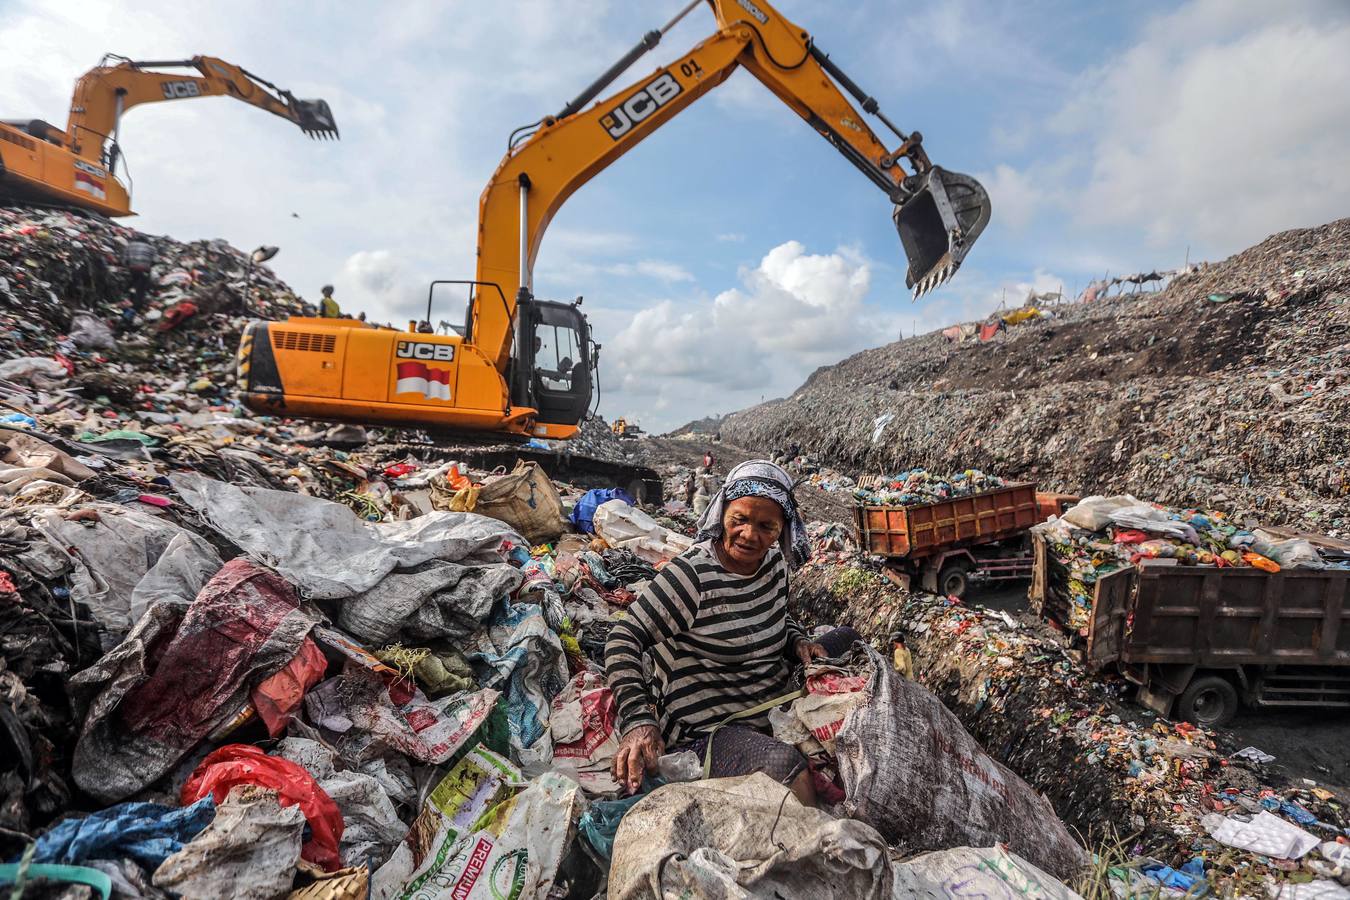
[561, 365]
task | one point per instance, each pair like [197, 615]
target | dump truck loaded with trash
[526, 367]
[1201, 642]
[1204, 615]
[942, 532]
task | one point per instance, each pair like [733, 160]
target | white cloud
[731, 237]
[792, 312]
[1217, 128]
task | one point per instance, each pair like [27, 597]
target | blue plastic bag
[149, 833]
[601, 821]
[583, 514]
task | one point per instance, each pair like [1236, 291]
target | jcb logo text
[174, 90]
[630, 112]
[414, 350]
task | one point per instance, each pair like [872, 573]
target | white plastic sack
[486, 840]
[1153, 520]
[823, 714]
[90, 333]
[585, 735]
[910, 769]
[739, 838]
[1094, 513]
[519, 655]
[127, 560]
[38, 371]
[970, 872]
[625, 527]
[1264, 833]
[248, 852]
[324, 549]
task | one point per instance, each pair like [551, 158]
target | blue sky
[734, 251]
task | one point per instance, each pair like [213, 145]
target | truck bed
[1221, 618]
[914, 532]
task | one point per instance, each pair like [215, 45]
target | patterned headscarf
[760, 478]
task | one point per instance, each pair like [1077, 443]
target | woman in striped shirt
[710, 637]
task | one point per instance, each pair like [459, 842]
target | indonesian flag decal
[90, 185]
[419, 378]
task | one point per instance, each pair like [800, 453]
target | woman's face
[751, 526]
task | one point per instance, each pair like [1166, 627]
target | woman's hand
[808, 650]
[638, 752]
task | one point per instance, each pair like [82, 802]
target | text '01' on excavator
[78, 166]
[528, 367]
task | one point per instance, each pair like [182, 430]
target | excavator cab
[938, 224]
[553, 363]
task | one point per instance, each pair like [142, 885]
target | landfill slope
[1230, 390]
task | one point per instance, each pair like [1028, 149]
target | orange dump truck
[943, 544]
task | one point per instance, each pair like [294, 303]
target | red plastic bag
[277, 698]
[245, 764]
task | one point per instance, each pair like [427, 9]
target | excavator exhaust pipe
[313, 116]
[938, 224]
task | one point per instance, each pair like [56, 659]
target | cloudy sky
[733, 252]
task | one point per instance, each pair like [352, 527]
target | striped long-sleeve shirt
[714, 643]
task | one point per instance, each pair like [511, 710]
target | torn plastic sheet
[355, 714]
[126, 559]
[147, 710]
[429, 601]
[324, 549]
[248, 852]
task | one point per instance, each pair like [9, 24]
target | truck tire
[953, 580]
[1208, 701]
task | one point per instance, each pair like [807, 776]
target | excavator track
[643, 483]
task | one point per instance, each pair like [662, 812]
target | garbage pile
[1230, 389]
[1101, 535]
[245, 690]
[1169, 808]
[917, 487]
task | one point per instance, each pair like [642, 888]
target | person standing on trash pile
[714, 631]
[139, 258]
[328, 307]
[705, 487]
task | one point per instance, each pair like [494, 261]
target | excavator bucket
[938, 225]
[313, 116]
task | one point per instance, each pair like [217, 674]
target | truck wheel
[1208, 702]
[953, 580]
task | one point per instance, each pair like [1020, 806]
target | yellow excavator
[525, 366]
[78, 166]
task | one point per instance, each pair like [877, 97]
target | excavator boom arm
[105, 93]
[939, 214]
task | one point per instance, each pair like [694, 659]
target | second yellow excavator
[78, 166]
[528, 367]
